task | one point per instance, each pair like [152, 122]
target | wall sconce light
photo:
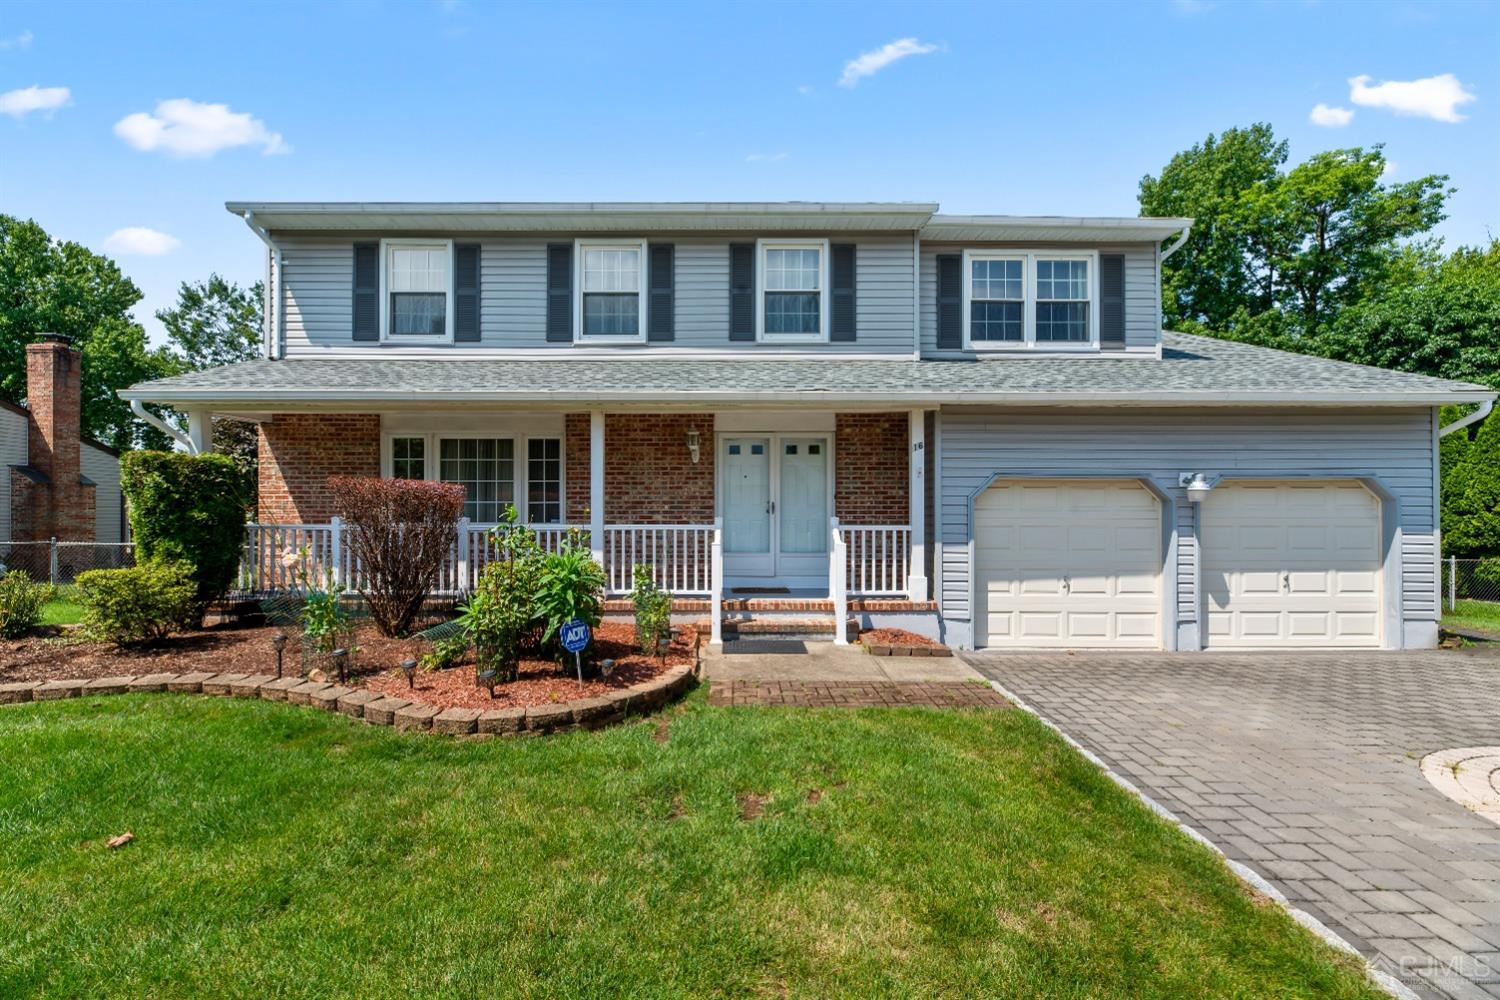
[692, 443]
[1198, 485]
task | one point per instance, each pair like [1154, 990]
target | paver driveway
[1305, 767]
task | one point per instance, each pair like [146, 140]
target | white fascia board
[1006, 228]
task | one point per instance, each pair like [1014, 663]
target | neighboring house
[58, 484]
[973, 424]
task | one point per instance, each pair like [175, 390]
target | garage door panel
[1063, 563]
[1291, 564]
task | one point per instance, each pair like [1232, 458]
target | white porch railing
[878, 559]
[680, 556]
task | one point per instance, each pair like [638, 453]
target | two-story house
[970, 425]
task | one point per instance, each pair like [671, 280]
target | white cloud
[1329, 117]
[1436, 97]
[766, 157]
[141, 242]
[21, 41]
[20, 103]
[804, 90]
[872, 62]
[1390, 168]
[189, 128]
[1192, 6]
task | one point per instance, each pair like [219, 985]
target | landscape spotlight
[278, 643]
[486, 679]
[409, 668]
[340, 662]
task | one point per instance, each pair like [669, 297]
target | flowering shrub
[400, 531]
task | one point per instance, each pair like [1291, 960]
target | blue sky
[1003, 108]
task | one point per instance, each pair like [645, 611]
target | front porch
[736, 513]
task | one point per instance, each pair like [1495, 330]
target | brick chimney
[49, 496]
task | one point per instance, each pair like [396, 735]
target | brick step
[684, 605]
[765, 627]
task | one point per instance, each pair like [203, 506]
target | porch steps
[817, 629]
[778, 605]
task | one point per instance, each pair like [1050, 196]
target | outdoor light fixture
[606, 667]
[409, 668]
[692, 443]
[1199, 485]
[278, 643]
[340, 661]
[486, 679]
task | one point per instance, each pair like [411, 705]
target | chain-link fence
[60, 563]
[1470, 580]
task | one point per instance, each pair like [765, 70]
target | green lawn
[1481, 615]
[284, 852]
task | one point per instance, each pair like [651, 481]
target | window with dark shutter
[466, 292]
[841, 258]
[1112, 301]
[559, 293]
[366, 291]
[661, 319]
[742, 291]
[950, 301]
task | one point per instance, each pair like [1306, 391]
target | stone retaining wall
[377, 709]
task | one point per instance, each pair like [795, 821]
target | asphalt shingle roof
[1191, 369]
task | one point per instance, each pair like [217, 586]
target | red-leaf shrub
[400, 530]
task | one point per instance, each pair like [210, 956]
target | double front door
[776, 500]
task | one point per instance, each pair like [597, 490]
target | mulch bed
[895, 637]
[231, 649]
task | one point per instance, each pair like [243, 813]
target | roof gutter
[275, 328]
[1176, 244]
[1472, 418]
[139, 409]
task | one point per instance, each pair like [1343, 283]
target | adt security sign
[575, 637]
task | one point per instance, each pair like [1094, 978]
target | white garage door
[1067, 563]
[1292, 564]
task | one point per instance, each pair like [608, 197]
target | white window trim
[1028, 310]
[520, 450]
[642, 277]
[761, 246]
[386, 246]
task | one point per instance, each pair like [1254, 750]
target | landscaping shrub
[400, 530]
[187, 509]
[139, 604]
[653, 611]
[21, 603]
[571, 586]
[499, 617]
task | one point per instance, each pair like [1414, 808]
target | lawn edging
[1390, 984]
[377, 709]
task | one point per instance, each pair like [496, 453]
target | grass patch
[282, 851]
[1481, 615]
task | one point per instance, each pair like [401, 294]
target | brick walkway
[1305, 767]
[855, 694]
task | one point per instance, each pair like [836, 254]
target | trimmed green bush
[653, 612]
[188, 509]
[21, 603]
[139, 604]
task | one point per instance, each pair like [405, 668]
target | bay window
[418, 281]
[793, 277]
[611, 306]
[1030, 299]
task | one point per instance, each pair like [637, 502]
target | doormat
[759, 590]
[764, 646]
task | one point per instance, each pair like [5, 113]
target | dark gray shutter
[367, 291]
[950, 301]
[1112, 300]
[742, 291]
[559, 293]
[466, 293]
[661, 308]
[841, 280]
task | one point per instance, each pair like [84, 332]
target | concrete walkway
[829, 676]
[1306, 767]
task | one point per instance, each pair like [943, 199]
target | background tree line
[1327, 258]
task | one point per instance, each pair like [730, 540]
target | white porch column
[916, 576]
[596, 485]
[201, 431]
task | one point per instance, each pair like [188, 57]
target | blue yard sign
[575, 635]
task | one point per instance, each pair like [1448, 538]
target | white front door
[776, 505]
[1291, 564]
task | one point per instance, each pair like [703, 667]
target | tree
[52, 286]
[1471, 490]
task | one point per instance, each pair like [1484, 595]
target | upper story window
[793, 295]
[611, 306]
[1041, 299]
[418, 281]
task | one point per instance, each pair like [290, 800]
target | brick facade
[649, 477]
[299, 451]
[48, 497]
[871, 482]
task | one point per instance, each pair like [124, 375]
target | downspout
[275, 336]
[1472, 418]
[1162, 255]
[139, 409]
[916, 295]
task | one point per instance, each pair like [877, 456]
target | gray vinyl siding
[1395, 446]
[104, 469]
[1142, 291]
[12, 452]
[513, 294]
